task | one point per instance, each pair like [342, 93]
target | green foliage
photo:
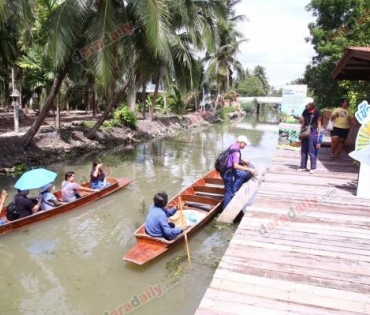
[176, 101]
[88, 124]
[20, 168]
[248, 107]
[174, 266]
[225, 110]
[339, 25]
[110, 123]
[123, 115]
[231, 95]
[251, 86]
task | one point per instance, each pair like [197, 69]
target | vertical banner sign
[292, 105]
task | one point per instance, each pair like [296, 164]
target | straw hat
[190, 218]
[176, 218]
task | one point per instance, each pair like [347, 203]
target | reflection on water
[72, 263]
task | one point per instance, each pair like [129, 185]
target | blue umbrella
[35, 178]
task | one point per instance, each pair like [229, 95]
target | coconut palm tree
[260, 73]
[222, 62]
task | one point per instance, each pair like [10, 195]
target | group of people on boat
[47, 200]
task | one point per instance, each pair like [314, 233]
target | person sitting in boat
[25, 206]
[49, 200]
[97, 176]
[69, 188]
[3, 197]
[156, 223]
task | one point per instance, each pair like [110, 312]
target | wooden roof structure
[354, 65]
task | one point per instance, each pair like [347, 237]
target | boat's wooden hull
[85, 199]
[204, 197]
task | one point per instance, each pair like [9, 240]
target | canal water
[72, 263]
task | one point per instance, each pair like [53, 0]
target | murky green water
[72, 263]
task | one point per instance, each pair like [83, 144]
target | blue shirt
[156, 223]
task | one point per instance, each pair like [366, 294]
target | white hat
[242, 139]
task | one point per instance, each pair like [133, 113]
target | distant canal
[72, 263]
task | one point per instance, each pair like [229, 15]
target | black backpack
[11, 210]
[221, 162]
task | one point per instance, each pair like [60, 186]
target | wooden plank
[314, 262]
[359, 283]
[217, 299]
[303, 260]
[242, 196]
[292, 292]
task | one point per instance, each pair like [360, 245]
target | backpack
[223, 158]
[11, 210]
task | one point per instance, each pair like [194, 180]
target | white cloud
[276, 33]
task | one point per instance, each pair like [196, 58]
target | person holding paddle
[70, 187]
[156, 223]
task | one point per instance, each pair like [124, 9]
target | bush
[123, 115]
[248, 107]
[225, 110]
[88, 124]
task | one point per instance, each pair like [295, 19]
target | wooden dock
[302, 248]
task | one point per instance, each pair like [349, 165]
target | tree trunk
[57, 117]
[117, 97]
[143, 99]
[27, 138]
[151, 110]
[131, 97]
[93, 102]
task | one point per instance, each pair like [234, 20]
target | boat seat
[198, 206]
[219, 197]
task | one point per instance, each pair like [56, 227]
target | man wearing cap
[25, 206]
[49, 200]
[238, 171]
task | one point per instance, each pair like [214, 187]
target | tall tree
[222, 62]
[260, 73]
[338, 25]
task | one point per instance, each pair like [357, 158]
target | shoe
[302, 169]
[312, 171]
[332, 158]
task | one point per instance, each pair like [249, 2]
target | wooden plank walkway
[302, 248]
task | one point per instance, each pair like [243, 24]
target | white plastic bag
[330, 125]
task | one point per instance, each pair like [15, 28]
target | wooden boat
[86, 198]
[203, 199]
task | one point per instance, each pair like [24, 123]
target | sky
[276, 32]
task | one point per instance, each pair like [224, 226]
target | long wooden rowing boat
[86, 198]
[200, 201]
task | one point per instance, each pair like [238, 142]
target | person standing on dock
[341, 118]
[238, 171]
[310, 117]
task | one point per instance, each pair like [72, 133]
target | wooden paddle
[185, 234]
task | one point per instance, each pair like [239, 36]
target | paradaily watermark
[121, 30]
[306, 205]
[149, 293]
